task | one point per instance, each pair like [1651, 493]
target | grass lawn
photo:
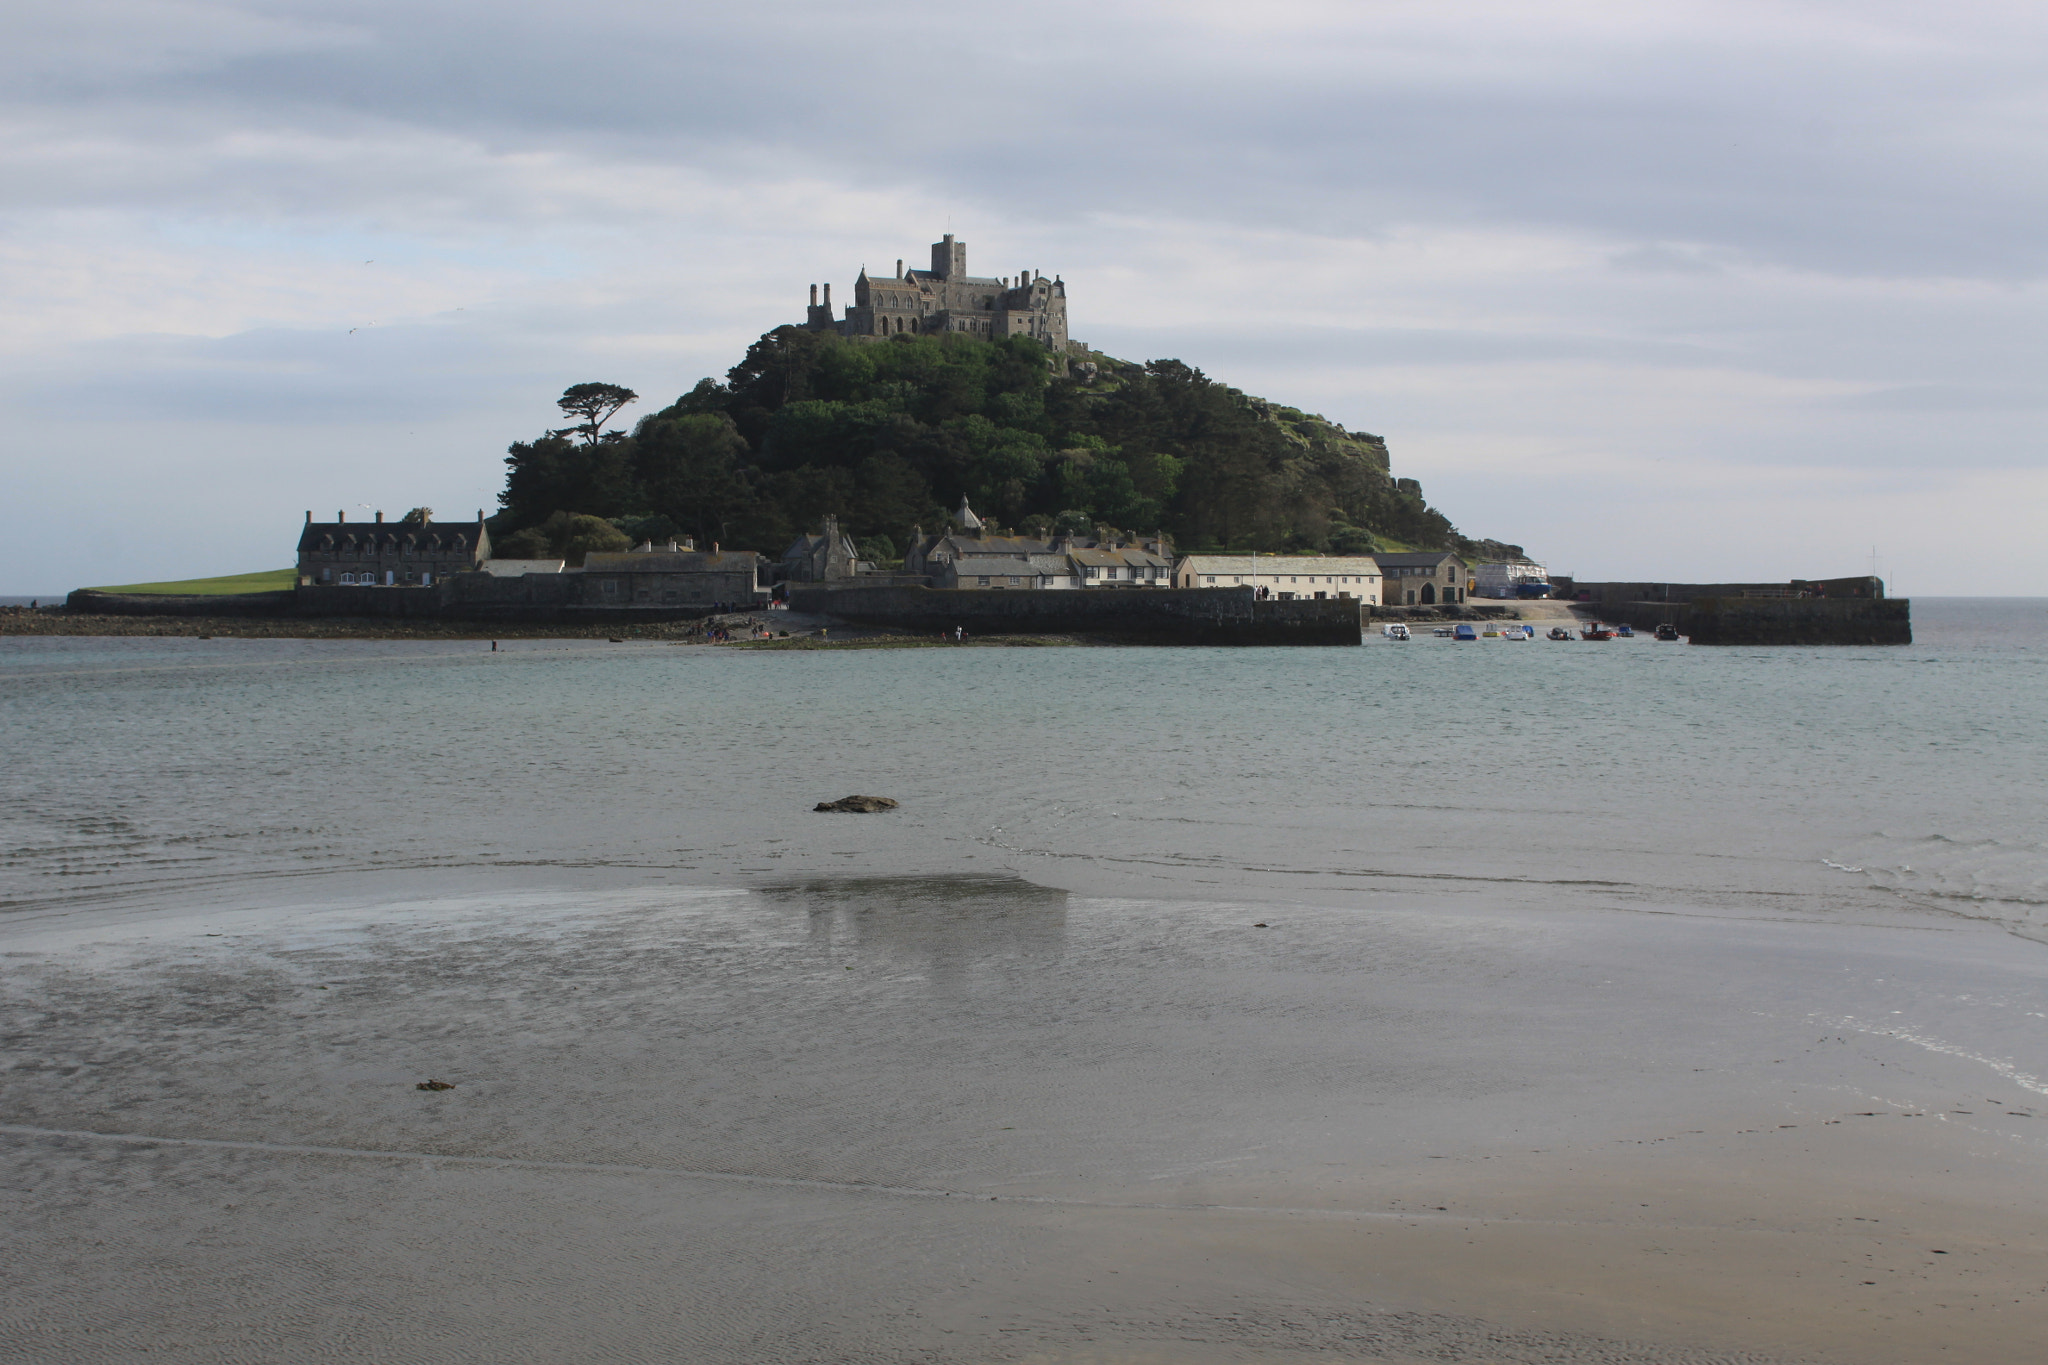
[270, 580]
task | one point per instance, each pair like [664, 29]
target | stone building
[1423, 579]
[946, 299]
[389, 554]
[971, 555]
[1285, 577]
[825, 557]
[673, 578]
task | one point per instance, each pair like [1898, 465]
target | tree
[418, 516]
[567, 536]
[596, 404]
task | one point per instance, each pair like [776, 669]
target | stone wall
[155, 604]
[477, 597]
[1194, 616]
[1798, 621]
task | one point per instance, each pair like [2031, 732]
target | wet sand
[978, 1119]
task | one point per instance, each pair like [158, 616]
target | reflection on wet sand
[945, 924]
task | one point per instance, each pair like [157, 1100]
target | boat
[1516, 633]
[1595, 631]
[1396, 631]
[1442, 632]
[1667, 631]
[1624, 631]
[1490, 633]
[1464, 632]
[1559, 633]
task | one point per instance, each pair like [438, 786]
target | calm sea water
[1831, 783]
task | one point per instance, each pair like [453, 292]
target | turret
[949, 258]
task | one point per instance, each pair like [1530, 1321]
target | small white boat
[1396, 631]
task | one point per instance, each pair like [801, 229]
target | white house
[1285, 576]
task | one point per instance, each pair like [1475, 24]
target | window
[981, 582]
[1015, 580]
[1209, 578]
[348, 578]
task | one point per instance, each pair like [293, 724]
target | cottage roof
[1100, 557]
[1365, 566]
[1418, 560]
[319, 537]
[669, 561]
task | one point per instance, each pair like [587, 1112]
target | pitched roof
[1118, 557]
[665, 561]
[329, 536]
[1417, 560]
[1366, 566]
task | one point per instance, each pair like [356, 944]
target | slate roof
[663, 561]
[1357, 566]
[1420, 560]
[1119, 558]
[328, 537]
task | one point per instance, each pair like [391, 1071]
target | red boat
[1596, 631]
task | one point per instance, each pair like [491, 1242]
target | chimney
[309, 516]
[380, 518]
[828, 298]
[341, 516]
[899, 267]
[814, 296]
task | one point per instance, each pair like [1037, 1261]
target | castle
[948, 299]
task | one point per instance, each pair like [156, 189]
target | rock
[863, 805]
[435, 1085]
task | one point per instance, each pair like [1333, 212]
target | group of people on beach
[715, 632]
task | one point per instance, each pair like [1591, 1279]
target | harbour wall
[1190, 616]
[552, 599]
[1797, 621]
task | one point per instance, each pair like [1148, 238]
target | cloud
[1636, 247]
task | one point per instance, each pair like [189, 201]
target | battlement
[947, 299]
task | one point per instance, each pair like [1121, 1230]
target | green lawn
[270, 580]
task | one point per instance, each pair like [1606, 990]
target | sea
[1833, 783]
[1492, 1000]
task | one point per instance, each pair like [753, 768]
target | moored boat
[1667, 631]
[1595, 631]
[1559, 633]
[1396, 631]
[1462, 631]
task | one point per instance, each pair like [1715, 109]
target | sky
[1684, 291]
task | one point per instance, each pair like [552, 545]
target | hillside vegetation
[888, 436]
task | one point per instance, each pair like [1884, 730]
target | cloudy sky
[1656, 289]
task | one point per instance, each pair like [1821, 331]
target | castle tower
[949, 258]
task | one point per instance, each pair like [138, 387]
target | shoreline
[1571, 1171]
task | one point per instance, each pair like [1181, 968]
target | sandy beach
[986, 1120]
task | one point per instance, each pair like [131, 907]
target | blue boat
[1464, 631]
